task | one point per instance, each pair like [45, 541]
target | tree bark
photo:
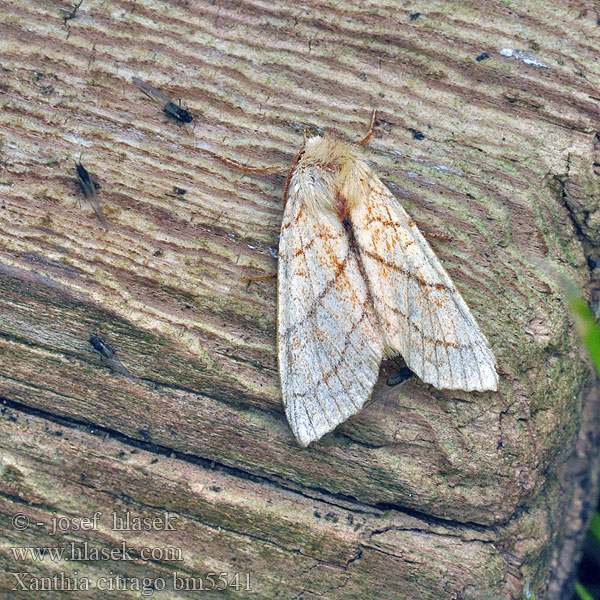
[487, 133]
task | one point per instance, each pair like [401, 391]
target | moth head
[329, 152]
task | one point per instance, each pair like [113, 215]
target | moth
[168, 106]
[357, 283]
[88, 187]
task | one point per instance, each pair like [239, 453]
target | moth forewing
[328, 340]
[423, 316]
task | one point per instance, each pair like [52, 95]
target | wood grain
[505, 165]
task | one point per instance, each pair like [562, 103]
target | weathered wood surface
[425, 494]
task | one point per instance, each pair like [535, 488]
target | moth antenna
[246, 168]
[371, 130]
[249, 279]
[289, 175]
[307, 135]
[436, 236]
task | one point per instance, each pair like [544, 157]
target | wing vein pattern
[419, 308]
[329, 341]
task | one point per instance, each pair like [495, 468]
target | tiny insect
[177, 191]
[88, 187]
[400, 376]
[108, 354]
[71, 14]
[357, 283]
[101, 347]
[169, 107]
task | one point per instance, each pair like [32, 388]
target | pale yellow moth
[357, 283]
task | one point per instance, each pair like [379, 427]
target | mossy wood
[487, 133]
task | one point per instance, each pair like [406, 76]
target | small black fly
[416, 134]
[399, 376]
[169, 107]
[101, 347]
[177, 192]
[88, 187]
[108, 354]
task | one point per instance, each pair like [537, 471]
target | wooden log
[487, 133]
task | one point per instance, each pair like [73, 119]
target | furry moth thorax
[330, 174]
